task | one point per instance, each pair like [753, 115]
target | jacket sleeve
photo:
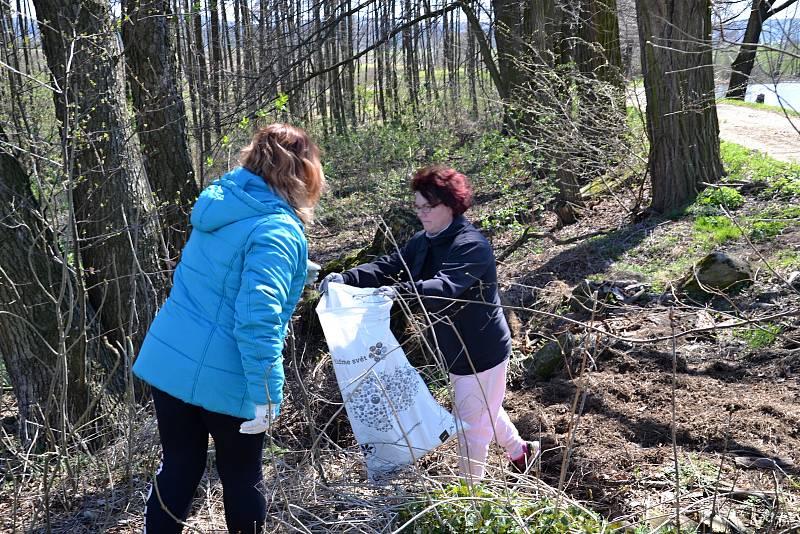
[384, 271]
[271, 260]
[466, 263]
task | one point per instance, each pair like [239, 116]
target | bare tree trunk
[201, 79]
[679, 86]
[380, 68]
[117, 226]
[350, 77]
[160, 115]
[320, 57]
[216, 65]
[229, 71]
[742, 66]
[48, 345]
[189, 69]
[522, 29]
[597, 51]
[238, 41]
[472, 74]
[411, 67]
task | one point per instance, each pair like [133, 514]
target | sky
[740, 8]
[743, 8]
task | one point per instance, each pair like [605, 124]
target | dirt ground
[737, 409]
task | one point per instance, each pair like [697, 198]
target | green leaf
[281, 101]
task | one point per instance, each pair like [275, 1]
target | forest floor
[736, 392]
[737, 397]
[737, 400]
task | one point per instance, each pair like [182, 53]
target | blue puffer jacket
[218, 340]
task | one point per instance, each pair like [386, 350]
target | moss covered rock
[718, 271]
[549, 360]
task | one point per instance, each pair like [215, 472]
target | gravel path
[764, 130]
[767, 131]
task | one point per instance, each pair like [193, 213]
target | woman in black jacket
[452, 271]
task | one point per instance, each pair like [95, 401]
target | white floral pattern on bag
[369, 400]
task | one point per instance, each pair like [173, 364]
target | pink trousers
[478, 401]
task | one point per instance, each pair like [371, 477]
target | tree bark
[160, 115]
[117, 228]
[49, 346]
[201, 79]
[215, 69]
[597, 51]
[742, 66]
[523, 29]
[679, 86]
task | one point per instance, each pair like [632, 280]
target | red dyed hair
[443, 185]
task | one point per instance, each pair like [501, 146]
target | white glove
[386, 291]
[265, 416]
[312, 272]
[333, 277]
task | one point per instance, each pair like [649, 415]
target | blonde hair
[286, 158]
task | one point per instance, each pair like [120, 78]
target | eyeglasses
[424, 209]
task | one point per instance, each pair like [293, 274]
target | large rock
[718, 271]
[549, 359]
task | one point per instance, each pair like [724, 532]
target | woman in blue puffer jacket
[213, 352]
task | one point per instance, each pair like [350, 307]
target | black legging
[184, 430]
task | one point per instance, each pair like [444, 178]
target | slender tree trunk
[201, 79]
[320, 56]
[742, 66]
[350, 78]
[380, 67]
[249, 46]
[160, 115]
[472, 72]
[117, 226]
[237, 38]
[681, 113]
[229, 70]
[190, 71]
[215, 70]
[264, 62]
[409, 58]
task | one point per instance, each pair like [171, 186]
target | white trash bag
[395, 418]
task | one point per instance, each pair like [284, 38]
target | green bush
[745, 165]
[725, 197]
[456, 509]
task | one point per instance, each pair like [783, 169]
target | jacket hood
[239, 194]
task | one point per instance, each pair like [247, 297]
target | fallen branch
[527, 235]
